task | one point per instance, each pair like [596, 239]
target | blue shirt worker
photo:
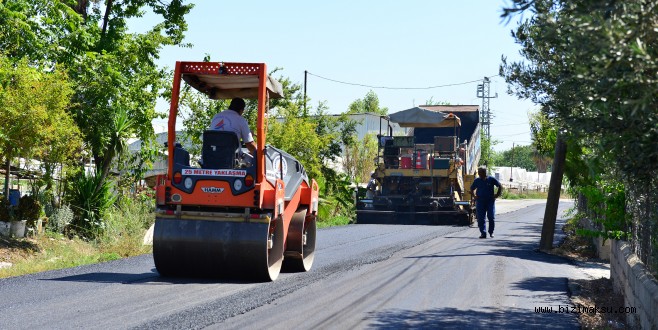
[485, 200]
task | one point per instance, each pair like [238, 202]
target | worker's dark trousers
[485, 207]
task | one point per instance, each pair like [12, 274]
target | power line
[515, 134]
[387, 87]
[512, 124]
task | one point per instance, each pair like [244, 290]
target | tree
[543, 134]
[113, 72]
[370, 103]
[488, 157]
[590, 69]
[591, 66]
[518, 156]
[36, 30]
[61, 140]
[358, 158]
[431, 101]
[119, 81]
[35, 125]
[115, 78]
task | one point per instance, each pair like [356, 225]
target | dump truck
[236, 215]
[425, 177]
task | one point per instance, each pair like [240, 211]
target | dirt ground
[592, 293]
[13, 250]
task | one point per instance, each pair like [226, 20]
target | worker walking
[485, 201]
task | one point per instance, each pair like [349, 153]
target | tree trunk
[106, 18]
[554, 189]
[81, 8]
[7, 169]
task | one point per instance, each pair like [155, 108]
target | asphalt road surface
[364, 276]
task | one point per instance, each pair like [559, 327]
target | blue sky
[412, 43]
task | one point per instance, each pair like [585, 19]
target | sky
[411, 44]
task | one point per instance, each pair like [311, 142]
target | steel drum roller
[215, 248]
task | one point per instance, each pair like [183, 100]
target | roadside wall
[639, 288]
[602, 245]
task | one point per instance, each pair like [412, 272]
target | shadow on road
[144, 278]
[453, 318]
[102, 277]
[547, 284]
[506, 248]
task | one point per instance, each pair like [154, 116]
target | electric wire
[388, 87]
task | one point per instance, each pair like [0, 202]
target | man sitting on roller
[231, 120]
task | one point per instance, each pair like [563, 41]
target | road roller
[236, 215]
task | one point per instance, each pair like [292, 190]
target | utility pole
[511, 163]
[554, 189]
[305, 76]
[485, 113]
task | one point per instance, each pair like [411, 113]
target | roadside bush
[89, 204]
[605, 206]
[5, 210]
[60, 219]
[126, 224]
[28, 209]
[338, 207]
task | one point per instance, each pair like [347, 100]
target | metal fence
[642, 207]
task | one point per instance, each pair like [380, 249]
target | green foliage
[339, 200]
[591, 66]
[29, 209]
[6, 213]
[90, 204]
[126, 224]
[39, 30]
[487, 154]
[60, 219]
[298, 137]
[112, 72]
[358, 158]
[526, 194]
[518, 156]
[570, 46]
[370, 103]
[35, 126]
[543, 133]
[544, 136]
[431, 101]
[605, 205]
[339, 220]
[21, 118]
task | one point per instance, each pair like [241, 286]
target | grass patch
[528, 194]
[507, 194]
[123, 234]
[49, 252]
[335, 221]
[126, 226]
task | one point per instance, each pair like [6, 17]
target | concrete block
[602, 248]
[639, 288]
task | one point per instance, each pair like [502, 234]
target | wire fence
[642, 207]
